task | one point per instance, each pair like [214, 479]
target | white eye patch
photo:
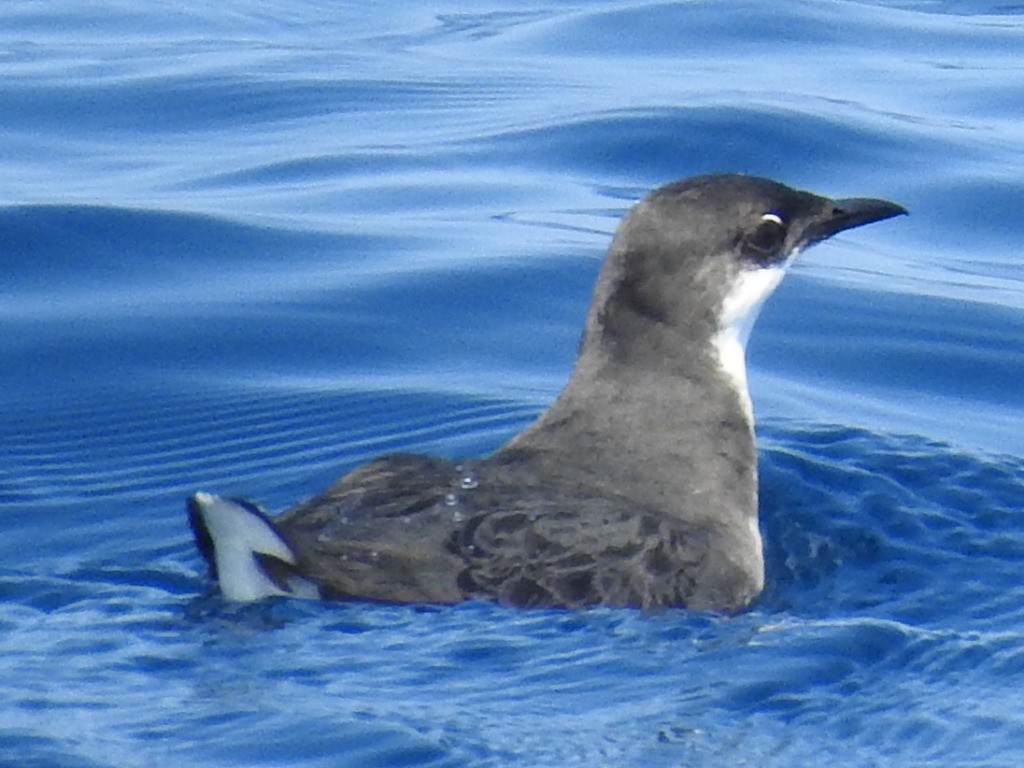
[774, 217]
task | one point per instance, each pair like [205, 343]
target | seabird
[636, 487]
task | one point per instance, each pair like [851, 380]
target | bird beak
[849, 213]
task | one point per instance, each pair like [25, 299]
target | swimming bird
[636, 487]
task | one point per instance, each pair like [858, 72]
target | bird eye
[764, 243]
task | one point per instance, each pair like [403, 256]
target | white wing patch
[238, 535]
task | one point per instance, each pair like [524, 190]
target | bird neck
[681, 442]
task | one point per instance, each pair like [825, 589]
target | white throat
[739, 312]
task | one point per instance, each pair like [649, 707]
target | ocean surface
[249, 245]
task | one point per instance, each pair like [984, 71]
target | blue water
[246, 246]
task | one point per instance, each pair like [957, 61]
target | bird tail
[247, 554]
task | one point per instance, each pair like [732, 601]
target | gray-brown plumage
[637, 487]
[417, 529]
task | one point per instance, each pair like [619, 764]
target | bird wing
[578, 552]
[410, 528]
[378, 533]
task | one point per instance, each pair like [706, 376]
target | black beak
[849, 213]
